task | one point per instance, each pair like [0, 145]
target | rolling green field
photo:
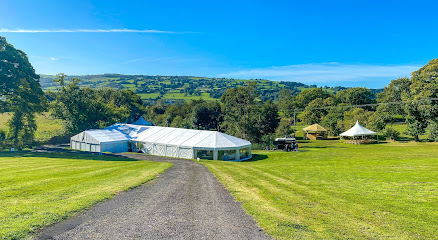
[151, 88]
[39, 189]
[331, 190]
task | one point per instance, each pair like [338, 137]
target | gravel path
[185, 202]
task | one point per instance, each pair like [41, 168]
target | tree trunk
[416, 138]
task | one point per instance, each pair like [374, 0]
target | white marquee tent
[164, 141]
[357, 131]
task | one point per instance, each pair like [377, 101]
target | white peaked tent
[141, 121]
[164, 141]
[357, 130]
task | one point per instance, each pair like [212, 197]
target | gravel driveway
[185, 202]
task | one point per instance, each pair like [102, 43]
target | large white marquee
[163, 141]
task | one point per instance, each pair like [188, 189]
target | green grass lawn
[330, 190]
[46, 126]
[39, 189]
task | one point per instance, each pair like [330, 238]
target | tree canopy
[20, 93]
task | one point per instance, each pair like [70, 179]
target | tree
[421, 105]
[20, 93]
[316, 110]
[333, 120]
[355, 96]
[285, 128]
[308, 95]
[269, 118]
[207, 116]
[84, 108]
[240, 112]
[286, 102]
[391, 97]
[357, 114]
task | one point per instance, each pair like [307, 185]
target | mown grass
[330, 190]
[47, 127]
[39, 189]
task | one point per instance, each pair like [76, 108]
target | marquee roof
[198, 139]
[357, 130]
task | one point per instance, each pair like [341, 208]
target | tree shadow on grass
[68, 155]
[257, 157]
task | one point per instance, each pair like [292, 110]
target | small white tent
[356, 131]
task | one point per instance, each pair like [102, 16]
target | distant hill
[174, 88]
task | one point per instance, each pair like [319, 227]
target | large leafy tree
[390, 99]
[247, 117]
[308, 95]
[240, 112]
[207, 115]
[421, 105]
[316, 110]
[84, 108]
[20, 93]
[355, 96]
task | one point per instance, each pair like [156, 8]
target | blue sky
[348, 43]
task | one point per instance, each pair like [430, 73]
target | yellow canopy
[315, 128]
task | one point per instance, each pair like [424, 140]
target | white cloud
[122, 30]
[53, 59]
[326, 72]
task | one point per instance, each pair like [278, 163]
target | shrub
[391, 134]
[432, 131]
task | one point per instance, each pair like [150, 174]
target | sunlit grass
[39, 189]
[330, 190]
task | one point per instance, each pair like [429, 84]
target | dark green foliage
[247, 118]
[432, 131]
[316, 110]
[391, 134]
[308, 95]
[285, 128]
[20, 93]
[390, 99]
[332, 121]
[241, 112]
[355, 96]
[419, 107]
[286, 102]
[85, 108]
[207, 116]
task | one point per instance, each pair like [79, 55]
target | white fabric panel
[185, 153]
[172, 151]
[148, 147]
[161, 149]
